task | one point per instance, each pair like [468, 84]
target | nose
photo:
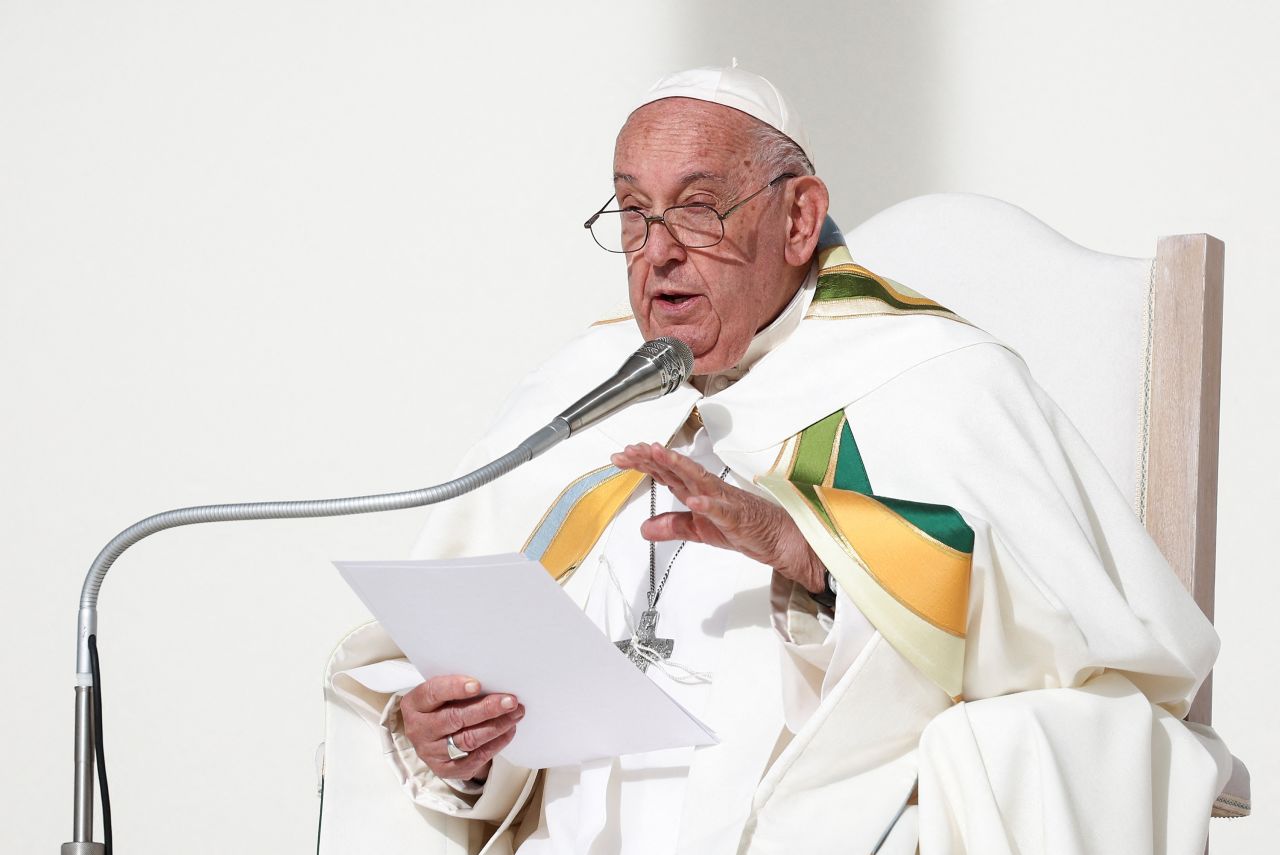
[661, 248]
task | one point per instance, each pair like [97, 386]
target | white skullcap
[733, 87]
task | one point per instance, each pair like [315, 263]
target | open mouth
[675, 306]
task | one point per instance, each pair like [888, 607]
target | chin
[701, 344]
[708, 348]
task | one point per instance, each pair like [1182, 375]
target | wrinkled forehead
[683, 136]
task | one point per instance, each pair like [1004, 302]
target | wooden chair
[1130, 348]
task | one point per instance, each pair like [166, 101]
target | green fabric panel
[940, 522]
[811, 496]
[814, 453]
[850, 473]
[840, 286]
[944, 524]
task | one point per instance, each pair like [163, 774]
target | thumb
[673, 525]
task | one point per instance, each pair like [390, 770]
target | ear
[807, 209]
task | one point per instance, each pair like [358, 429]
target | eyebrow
[702, 175]
[685, 180]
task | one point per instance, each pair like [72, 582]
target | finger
[673, 470]
[471, 738]
[674, 525]
[638, 458]
[721, 510]
[440, 690]
[453, 717]
[639, 452]
[686, 475]
[468, 766]
[646, 460]
[684, 526]
[628, 457]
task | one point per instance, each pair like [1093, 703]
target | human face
[680, 151]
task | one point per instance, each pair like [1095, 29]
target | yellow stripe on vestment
[586, 521]
[929, 578]
[937, 652]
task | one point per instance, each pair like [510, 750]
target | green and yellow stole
[905, 564]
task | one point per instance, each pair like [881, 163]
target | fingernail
[508, 703]
[472, 687]
[518, 714]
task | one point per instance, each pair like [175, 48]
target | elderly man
[860, 519]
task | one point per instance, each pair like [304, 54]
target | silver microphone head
[673, 357]
[656, 369]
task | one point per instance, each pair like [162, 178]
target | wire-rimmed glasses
[695, 226]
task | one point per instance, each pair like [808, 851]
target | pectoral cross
[646, 634]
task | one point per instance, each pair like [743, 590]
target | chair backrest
[1129, 348]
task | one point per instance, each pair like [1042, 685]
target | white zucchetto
[736, 88]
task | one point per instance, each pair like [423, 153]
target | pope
[860, 543]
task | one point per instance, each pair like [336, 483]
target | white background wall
[293, 249]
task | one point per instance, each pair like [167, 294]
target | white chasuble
[1028, 653]
[634, 803]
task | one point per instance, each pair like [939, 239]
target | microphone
[656, 369]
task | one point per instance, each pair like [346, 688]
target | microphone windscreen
[673, 358]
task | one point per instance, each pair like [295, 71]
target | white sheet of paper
[505, 621]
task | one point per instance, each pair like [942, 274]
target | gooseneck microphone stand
[87, 622]
[656, 369]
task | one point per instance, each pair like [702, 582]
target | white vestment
[632, 804]
[1080, 651]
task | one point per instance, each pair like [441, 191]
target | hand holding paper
[456, 728]
[505, 621]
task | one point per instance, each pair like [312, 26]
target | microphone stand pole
[656, 369]
[87, 617]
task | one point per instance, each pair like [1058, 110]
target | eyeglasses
[694, 226]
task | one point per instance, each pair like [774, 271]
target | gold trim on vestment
[606, 321]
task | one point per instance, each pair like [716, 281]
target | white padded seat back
[1077, 317]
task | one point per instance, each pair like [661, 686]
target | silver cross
[646, 634]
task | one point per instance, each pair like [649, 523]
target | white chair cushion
[1077, 317]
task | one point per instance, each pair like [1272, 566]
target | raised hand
[723, 515]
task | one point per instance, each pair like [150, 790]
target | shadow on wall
[863, 81]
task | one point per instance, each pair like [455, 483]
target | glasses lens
[695, 226]
[619, 231]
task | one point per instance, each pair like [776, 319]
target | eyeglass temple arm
[591, 221]
[726, 214]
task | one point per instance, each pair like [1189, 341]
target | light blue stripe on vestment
[550, 526]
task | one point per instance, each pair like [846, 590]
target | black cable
[97, 742]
